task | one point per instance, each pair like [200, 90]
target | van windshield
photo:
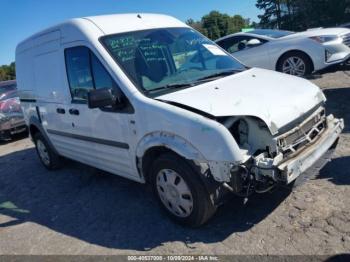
[163, 60]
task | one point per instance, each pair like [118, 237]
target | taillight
[2, 105]
[10, 105]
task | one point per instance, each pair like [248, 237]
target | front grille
[346, 39]
[301, 136]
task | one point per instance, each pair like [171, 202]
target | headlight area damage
[272, 160]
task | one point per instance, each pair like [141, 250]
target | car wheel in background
[180, 191]
[48, 157]
[295, 63]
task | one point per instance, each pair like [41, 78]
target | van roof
[96, 26]
[117, 23]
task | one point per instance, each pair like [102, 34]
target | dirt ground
[77, 210]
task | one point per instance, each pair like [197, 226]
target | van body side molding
[90, 139]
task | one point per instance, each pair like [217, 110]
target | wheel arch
[35, 126]
[156, 143]
[312, 63]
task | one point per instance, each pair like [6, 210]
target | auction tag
[214, 49]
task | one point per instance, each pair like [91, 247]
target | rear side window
[85, 72]
[233, 44]
[238, 43]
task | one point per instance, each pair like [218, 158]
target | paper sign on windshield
[214, 49]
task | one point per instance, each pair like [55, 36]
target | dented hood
[275, 98]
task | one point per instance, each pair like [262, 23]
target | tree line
[294, 15]
[8, 72]
[215, 24]
[299, 15]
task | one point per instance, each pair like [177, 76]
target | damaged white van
[148, 98]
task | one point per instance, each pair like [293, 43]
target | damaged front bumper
[291, 169]
[299, 149]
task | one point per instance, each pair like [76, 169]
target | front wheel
[180, 191]
[295, 63]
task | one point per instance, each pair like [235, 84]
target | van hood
[277, 99]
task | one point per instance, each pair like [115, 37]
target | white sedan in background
[297, 54]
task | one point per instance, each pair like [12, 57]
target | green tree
[272, 16]
[8, 72]
[302, 14]
[197, 25]
[215, 24]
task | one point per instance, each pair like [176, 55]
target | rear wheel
[180, 191]
[48, 157]
[295, 63]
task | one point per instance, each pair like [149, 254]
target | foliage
[300, 15]
[215, 24]
[7, 72]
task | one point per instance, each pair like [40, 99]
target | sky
[22, 18]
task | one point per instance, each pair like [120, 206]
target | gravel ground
[78, 210]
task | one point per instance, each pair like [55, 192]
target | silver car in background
[11, 116]
[300, 54]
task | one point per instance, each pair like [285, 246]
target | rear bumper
[11, 126]
[294, 167]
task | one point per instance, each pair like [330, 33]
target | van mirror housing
[106, 97]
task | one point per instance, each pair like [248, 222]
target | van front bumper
[294, 167]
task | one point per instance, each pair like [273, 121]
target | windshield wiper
[170, 86]
[196, 82]
[218, 75]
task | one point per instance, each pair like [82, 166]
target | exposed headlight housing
[243, 131]
[325, 38]
[240, 131]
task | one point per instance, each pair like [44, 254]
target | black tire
[54, 160]
[304, 57]
[203, 208]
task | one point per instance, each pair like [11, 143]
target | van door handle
[73, 111]
[60, 111]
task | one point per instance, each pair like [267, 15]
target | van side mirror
[106, 97]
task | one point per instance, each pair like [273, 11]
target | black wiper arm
[217, 75]
[170, 86]
[196, 82]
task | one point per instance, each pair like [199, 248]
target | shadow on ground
[107, 210]
[14, 138]
[337, 171]
[338, 104]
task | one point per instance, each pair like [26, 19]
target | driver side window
[85, 72]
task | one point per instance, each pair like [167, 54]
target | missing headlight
[240, 131]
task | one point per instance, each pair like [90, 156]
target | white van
[148, 98]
